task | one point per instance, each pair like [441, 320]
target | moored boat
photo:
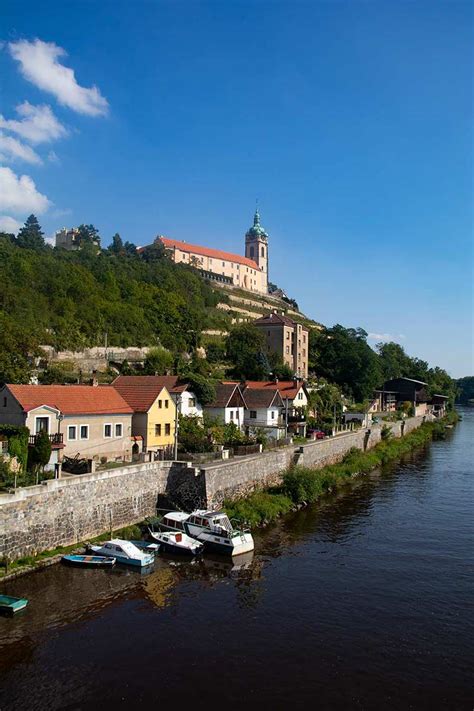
[10, 604]
[89, 561]
[124, 552]
[215, 531]
[173, 521]
[177, 543]
[146, 546]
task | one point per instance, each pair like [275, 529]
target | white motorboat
[173, 521]
[124, 552]
[177, 543]
[214, 529]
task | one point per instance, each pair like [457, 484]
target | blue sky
[350, 121]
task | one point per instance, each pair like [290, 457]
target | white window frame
[80, 434]
[43, 417]
[118, 424]
[108, 424]
[75, 438]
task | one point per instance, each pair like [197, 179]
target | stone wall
[240, 477]
[68, 510]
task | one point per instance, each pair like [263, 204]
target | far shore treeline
[70, 300]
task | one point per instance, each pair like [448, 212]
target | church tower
[256, 248]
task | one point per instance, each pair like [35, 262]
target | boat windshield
[222, 523]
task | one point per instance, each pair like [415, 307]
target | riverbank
[304, 485]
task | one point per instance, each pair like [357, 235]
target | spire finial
[256, 219]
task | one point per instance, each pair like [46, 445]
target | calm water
[362, 603]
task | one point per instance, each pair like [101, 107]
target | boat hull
[88, 561]
[228, 545]
[179, 550]
[11, 605]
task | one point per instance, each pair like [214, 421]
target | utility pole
[176, 427]
[286, 417]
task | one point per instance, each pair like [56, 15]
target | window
[304, 351]
[41, 423]
[223, 264]
[167, 402]
[107, 430]
[287, 335]
[251, 253]
[300, 396]
[167, 429]
[287, 349]
[263, 251]
[192, 402]
[231, 414]
[84, 432]
[160, 404]
[158, 430]
[253, 414]
[4, 402]
[273, 414]
[118, 429]
[238, 266]
[304, 338]
[72, 432]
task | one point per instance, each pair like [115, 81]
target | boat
[124, 552]
[88, 561]
[146, 546]
[215, 531]
[10, 605]
[173, 521]
[177, 543]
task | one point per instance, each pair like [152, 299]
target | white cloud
[53, 157]
[38, 124]
[9, 224]
[18, 194]
[61, 212]
[39, 65]
[12, 149]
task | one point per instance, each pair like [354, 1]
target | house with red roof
[154, 409]
[248, 272]
[294, 400]
[87, 421]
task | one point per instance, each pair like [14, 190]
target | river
[361, 602]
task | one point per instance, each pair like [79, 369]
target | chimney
[95, 380]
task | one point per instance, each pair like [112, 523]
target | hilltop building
[68, 238]
[249, 272]
[288, 339]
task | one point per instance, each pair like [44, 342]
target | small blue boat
[10, 605]
[89, 561]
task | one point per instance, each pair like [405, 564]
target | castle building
[249, 272]
[290, 340]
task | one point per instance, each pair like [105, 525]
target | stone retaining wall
[65, 511]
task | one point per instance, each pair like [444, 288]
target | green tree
[193, 437]
[30, 235]
[88, 234]
[245, 348]
[159, 361]
[40, 453]
[343, 356]
[204, 388]
[465, 388]
[116, 246]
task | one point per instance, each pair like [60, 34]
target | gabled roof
[207, 252]
[141, 391]
[71, 399]
[227, 394]
[287, 388]
[409, 380]
[262, 398]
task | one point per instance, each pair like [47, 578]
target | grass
[302, 485]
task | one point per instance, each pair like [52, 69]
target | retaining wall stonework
[68, 510]
[64, 511]
[240, 477]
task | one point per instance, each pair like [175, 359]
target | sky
[350, 122]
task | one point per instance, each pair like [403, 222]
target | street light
[60, 418]
[176, 427]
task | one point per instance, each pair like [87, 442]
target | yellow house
[154, 411]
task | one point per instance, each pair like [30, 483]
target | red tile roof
[207, 252]
[71, 399]
[141, 391]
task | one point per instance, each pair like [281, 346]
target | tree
[324, 401]
[116, 246]
[159, 361]
[193, 437]
[215, 352]
[30, 235]
[40, 453]
[88, 234]
[465, 390]
[245, 350]
[204, 388]
[343, 356]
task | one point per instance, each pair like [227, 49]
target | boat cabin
[214, 520]
[174, 520]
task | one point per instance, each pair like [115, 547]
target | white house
[228, 405]
[264, 409]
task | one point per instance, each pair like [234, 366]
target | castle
[249, 272]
